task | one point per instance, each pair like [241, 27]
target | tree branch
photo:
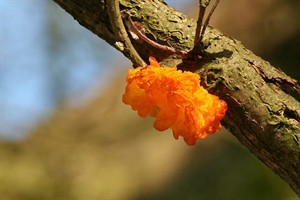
[123, 43]
[261, 115]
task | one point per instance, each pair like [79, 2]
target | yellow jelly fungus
[175, 99]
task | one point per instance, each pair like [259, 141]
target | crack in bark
[281, 82]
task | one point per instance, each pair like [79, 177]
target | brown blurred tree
[261, 114]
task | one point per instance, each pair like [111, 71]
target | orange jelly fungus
[175, 99]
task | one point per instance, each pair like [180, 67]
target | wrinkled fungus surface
[175, 99]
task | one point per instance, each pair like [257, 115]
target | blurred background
[65, 133]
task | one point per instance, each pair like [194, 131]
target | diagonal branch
[261, 115]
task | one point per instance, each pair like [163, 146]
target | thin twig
[121, 34]
[143, 37]
[200, 30]
[207, 19]
[202, 8]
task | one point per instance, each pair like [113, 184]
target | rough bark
[261, 114]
